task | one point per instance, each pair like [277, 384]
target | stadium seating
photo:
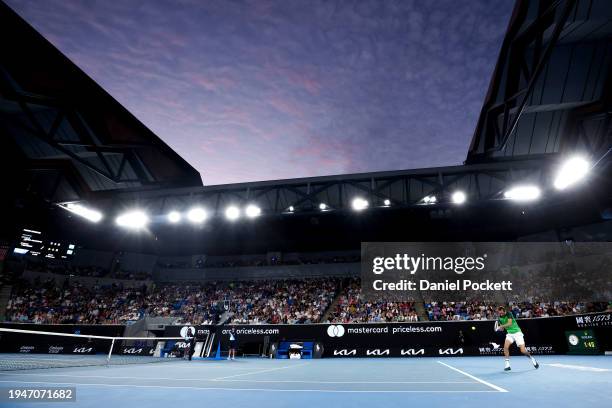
[249, 302]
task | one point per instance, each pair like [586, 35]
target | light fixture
[232, 213]
[430, 199]
[523, 193]
[197, 215]
[322, 206]
[88, 213]
[359, 204]
[252, 211]
[458, 197]
[135, 219]
[291, 209]
[174, 216]
[571, 171]
[387, 202]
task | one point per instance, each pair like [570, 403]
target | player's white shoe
[507, 365]
[535, 363]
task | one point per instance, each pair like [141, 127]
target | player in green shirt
[506, 321]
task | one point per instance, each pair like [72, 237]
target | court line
[260, 371]
[246, 389]
[581, 368]
[495, 387]
[350, 382]
[235, 380]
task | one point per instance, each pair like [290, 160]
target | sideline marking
[235, 380]
[581, 368]
[495, 387]
[245, 389]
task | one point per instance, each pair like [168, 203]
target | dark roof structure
[551, 92]
[66, 138]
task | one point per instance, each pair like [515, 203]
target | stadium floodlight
[88, 213]
[252, 211]
[359, 204]
[573, 170]
[232, 213]
[174, 216]
[135, 219]
[322, 206]
[197, 215]
[430, 199]
[523, 193]
[458, 197]
[387, 202]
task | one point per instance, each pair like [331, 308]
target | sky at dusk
[260, 90]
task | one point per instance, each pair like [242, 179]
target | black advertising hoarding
[45, 344]
[443, 338]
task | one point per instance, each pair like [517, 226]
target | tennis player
[506, 321]
[233, 344]
[190, 340]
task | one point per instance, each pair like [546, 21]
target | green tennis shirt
[514, 327]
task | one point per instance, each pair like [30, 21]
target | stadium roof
[86, 147]
[551, 91]
[64, 136]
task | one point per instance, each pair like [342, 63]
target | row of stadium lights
[572, 171]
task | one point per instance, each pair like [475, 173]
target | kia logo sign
[412, 352]
[450, 351]
[335, 330]
[184, 330]
[345, 352]
[377, 352]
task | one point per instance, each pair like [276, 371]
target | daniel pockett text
[491, 270]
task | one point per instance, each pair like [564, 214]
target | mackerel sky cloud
[259, 90]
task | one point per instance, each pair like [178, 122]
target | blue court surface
[561, 381]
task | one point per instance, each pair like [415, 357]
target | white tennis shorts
[516, 338]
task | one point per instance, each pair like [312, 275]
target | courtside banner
[543, 336]
[498, 272]
[40, 344]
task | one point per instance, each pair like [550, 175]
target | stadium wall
[257, 272]
[87, 281]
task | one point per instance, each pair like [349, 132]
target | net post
[110, 351]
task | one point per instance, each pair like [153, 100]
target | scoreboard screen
[33, 243]
[581, 342]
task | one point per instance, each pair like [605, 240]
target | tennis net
[32, 349]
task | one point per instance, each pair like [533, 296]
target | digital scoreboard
[581, 342]
[33, 243]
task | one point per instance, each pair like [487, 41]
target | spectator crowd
[247, 302]
[352, 308]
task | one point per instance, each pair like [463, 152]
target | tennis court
[456, 381]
